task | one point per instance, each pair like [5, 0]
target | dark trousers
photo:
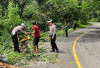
[66, 30]
[74, 26]
[15, 42]
[53, 43]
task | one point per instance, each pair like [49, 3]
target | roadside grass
[94, 22]
[83, 26]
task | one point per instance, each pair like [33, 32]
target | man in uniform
[52, 36]
[14, 35]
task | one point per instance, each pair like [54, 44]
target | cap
[49, 21]
[23, 24]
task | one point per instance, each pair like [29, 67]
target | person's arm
[22, 31]
[34, 31]
[33, 34]
[49, 32]
[26, 33]
[54, 28]
[65, 23]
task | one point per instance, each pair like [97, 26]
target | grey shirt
[52, 30]
[16, 29]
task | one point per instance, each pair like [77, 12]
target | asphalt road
[87, 49]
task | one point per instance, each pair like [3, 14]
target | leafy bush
[13, 18]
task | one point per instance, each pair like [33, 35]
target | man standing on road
[52, 36]
[14, 35]
[36, 37]
[66, 29]
[74, 25]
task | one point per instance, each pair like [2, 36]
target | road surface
[87, 49]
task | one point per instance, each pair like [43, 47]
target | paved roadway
[87, 49]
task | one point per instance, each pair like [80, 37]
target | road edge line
[74, 52]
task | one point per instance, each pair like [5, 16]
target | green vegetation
[15, 12]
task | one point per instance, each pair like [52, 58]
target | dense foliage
[15, 12]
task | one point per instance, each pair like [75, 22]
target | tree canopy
[14, 12]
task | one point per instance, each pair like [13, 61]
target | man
[37, 36]
[74, 25]
[14, 35]
[52, 36]
[66, 29]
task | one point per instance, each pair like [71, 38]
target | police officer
[14, 35]
[52, 36]
[74, 25]
[66, 29]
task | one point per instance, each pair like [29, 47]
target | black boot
[52, 51]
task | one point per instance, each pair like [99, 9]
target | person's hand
[26, 33]
[52, 37]
[32, 32]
